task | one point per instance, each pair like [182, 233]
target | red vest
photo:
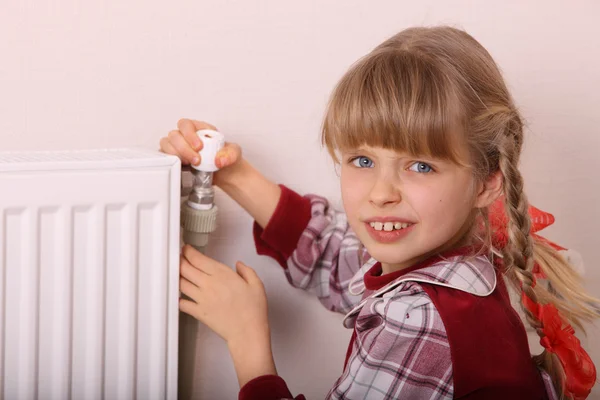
[488, 345]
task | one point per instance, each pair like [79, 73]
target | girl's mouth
[388, 232]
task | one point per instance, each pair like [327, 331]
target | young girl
[428, 138]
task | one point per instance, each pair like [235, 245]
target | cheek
[445, 207]
[430, 205]
[353, 191]
[349, 195]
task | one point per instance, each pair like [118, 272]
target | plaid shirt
[400, 348]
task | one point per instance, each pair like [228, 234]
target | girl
[428, 138]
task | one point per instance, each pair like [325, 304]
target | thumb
[247, 273]
[230, 154]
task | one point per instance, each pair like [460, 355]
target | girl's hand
[233, 304]
[185, 143]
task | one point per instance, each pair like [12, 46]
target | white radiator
[89, 278]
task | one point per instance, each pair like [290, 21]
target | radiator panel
[89, 280]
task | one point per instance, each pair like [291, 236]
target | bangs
[398, 101]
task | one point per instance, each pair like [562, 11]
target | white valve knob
[212, 141]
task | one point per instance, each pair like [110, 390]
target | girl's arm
[252, 357]
[250, 189]
[314, 244]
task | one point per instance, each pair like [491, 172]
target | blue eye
[362, 162]
[420, 167]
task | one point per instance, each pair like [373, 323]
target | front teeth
[389, 226]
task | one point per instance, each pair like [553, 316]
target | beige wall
[118, 73]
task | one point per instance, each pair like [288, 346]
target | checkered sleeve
[315, 245]
[401, 350]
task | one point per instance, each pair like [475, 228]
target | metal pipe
[198, 220]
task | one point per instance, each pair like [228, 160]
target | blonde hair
[432, 92]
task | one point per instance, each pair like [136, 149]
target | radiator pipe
[198, 220]
[199, 213]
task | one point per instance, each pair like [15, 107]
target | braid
[518, 254]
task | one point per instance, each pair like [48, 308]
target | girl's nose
[384, 192]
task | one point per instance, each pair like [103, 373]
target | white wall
[112, 73]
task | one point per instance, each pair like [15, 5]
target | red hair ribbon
[539, 220]
[560, 339]
[559, 336]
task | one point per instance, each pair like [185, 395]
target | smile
[386, 232]
[389, 226]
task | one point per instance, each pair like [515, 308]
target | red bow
[559, 336]
[560, 339]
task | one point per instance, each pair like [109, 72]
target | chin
[392, 255]
[394, 261]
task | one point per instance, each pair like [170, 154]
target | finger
[189, 289]
[167, 147]
[194, 275]
[199, 261]
[188, 307]
[189, 127]
[186, 152]
[193, 140]
[199, 125]
[189, 133]
[203, 125]
[247, 273]
[228, 155]
[192, 124]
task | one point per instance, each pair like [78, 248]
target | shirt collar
[461, 269]
[373, 280]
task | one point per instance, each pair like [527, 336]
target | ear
[489, 190]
